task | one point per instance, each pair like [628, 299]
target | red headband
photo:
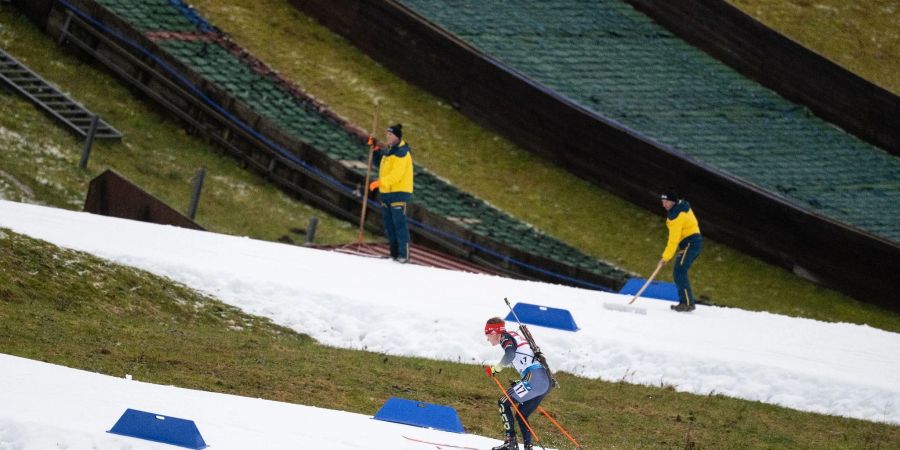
[494, 328]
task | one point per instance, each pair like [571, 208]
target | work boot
[509, 444]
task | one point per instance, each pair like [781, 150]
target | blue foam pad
[658, 289]
[159, 428]
[420, 414]
[544, 316]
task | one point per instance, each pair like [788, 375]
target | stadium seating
[614, 60]
[271, 99]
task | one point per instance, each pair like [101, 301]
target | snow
[61, 408]
[378, 305]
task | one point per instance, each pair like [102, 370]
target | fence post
[89, 142]
[311, 230]
[65, 30]
[195, 194]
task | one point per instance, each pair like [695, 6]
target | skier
[528, 391]
[684, 236]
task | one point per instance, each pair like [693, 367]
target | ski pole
[516, 408]
[365, 202]
[647, 283]
[544, 412]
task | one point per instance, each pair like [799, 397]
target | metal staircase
[68, 112]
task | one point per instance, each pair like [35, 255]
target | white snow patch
[362, 303]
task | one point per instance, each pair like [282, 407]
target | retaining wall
[111, 194]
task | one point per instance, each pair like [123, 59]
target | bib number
[520, 389]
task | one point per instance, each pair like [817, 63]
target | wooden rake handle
[365, 201]
[647, 283]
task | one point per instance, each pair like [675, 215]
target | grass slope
[863, 35]
[39, 161]
[70, 308]
[526, 186]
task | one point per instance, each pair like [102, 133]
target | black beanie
[396, 130]
[669, 195]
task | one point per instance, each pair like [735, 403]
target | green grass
[518, 182]
[70, 308]
[39, 161]
[863, 36]
[158, 155]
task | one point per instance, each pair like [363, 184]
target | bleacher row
[615, 61]
[171, 23]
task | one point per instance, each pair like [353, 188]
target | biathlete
[527, 392]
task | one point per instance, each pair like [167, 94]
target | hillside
[528, 187]
[39, 163]
[78, 310]
[96, 317]
[863, 36]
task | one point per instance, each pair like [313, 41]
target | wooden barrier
[111, 194]
[36, 10]
[617, 158]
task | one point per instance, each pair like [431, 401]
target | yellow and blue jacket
[395, 171]
[682, 224]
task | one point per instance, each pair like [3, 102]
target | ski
[534, 347]
[439, 445]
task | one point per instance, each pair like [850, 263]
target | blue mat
[159, 428]
[658, 289]
[420, 414]
[544, 316]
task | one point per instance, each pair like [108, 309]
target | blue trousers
[393, 216]
[688, 250]
[538, 386]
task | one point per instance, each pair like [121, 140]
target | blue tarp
[544, 316]
[658, 289]
[159, 428]
[420, 414]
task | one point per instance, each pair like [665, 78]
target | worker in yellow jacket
[685, 244]
[395, 185]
